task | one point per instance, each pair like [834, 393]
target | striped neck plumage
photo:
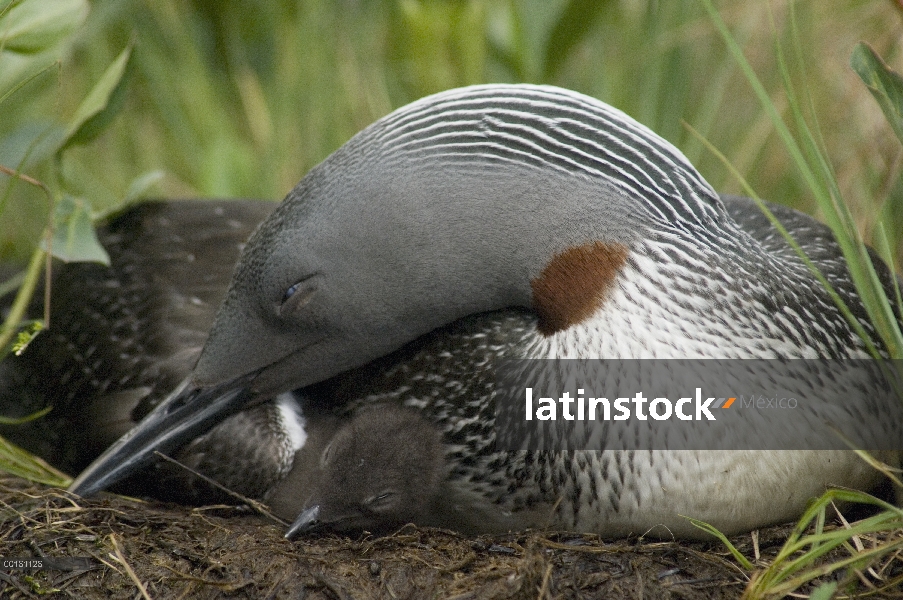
[551, 130]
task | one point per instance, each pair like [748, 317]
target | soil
[174, 551]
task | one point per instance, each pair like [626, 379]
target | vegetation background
[106, 101]
[243, 98]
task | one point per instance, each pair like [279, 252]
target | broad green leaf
[138, 190]
[35, 26]
[30, 144]
[884, 83]
[7, 85]
[17, 70]
[74, 238]
[141, 185]
[101, 104]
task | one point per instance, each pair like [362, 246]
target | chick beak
[307, 521]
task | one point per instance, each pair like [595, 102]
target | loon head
[464, 202]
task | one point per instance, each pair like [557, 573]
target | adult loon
[564, 211]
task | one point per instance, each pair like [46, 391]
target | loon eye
[290, 292]
[298, 294]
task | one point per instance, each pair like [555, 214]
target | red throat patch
[575, 283]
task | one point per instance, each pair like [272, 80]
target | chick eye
[328, 454]
[380, 501]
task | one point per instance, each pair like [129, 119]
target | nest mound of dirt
[138, 549]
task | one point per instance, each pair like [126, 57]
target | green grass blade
[885, 84]
[23, 464]
[744, 562]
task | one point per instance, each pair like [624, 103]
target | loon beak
[186, 413]
[307, 521]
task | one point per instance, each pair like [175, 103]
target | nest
[137, 549]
